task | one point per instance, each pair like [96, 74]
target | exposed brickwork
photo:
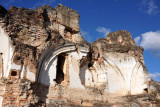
[18, 93]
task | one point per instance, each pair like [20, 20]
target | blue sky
[99, 17]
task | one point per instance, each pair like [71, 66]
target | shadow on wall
[40, 91]
[47, 73]
[41, 87]
[60, 67]
[82, 73]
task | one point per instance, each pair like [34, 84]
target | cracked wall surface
[45, 61]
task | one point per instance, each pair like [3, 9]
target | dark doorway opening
[146, 89]
[14, 73]
[60, 67]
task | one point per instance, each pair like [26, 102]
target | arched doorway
[54, 66]
[60, 68]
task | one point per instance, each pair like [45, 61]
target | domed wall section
[117, 65]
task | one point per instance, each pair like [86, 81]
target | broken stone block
[120, 37]
[58, 28]
[68, 17]
[48, 12]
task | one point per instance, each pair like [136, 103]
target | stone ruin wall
[44, 61]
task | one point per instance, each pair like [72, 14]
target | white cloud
[150, 41]
[104, 31]
[137, 40]
[150, 7]
[155, 76]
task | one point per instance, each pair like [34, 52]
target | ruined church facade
[43, 49]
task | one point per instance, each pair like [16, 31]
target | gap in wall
[60, 67]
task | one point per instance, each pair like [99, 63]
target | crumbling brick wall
[18, 93]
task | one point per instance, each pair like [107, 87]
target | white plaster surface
[88, 79]
[82, 54]
[82, 73]
[139, 81]
[49, 73]
[102, 77]
[127, 71]
[123, 74]
[30, 76]
[7, 51]
[15, 66]
[22, 72]
[95, 76]
[75, 81]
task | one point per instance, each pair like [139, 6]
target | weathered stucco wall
[128, 71]
[74, 70]
[7, 51]
[48, 75]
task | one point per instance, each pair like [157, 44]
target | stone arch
[118, 72]
[138, 73]
[47, 65]
[125, 71]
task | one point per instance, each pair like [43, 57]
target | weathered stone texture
[120, 37]
[18, 93]
[45, 61]
[68, 17]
